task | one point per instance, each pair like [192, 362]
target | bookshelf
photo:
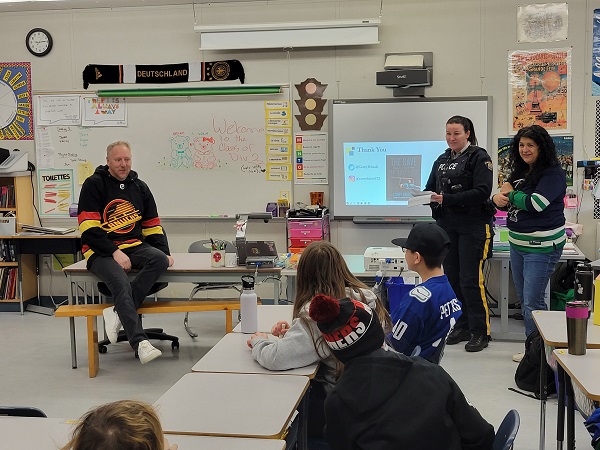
[16, 197]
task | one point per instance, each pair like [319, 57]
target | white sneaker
[147, 352]
[517, 357]
[112, 324]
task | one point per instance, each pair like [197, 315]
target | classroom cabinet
[16, 207]
[306, 226]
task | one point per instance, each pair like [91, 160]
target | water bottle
[584, 283]
[248, 305]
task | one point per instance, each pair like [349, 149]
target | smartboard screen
[383, 150]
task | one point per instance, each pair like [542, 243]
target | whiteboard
[200, 156]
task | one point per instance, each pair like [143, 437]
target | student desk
[38, 244]
[187, 268]
[27, 433]
[552, 326]
[269, 315]
[36, 433]
[583, 371]
[232, 355]
[231, 404]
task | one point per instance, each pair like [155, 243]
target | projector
[385, 258]
[405, 77]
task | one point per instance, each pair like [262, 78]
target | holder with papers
[47, 230]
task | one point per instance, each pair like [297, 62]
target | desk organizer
[304, 227]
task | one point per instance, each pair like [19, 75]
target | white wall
[470, 40]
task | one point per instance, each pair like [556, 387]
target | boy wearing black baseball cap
[386, 399]
[426, 314]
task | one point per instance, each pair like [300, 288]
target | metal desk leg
[570, 413]
[72, 327]
[560, 419]
[543, 397]
[276, 289]
[504, 275]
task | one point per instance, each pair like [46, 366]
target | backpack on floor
[527, 376]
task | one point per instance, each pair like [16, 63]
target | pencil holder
[217, 258]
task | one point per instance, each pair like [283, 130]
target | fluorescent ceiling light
[293, 34]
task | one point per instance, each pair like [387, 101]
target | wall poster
[16, 117]
[539, 83]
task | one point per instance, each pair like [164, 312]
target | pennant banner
[231, 69]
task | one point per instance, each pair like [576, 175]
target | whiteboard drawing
[180, 152]
[204, 156]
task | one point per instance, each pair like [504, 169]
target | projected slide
[385, 173]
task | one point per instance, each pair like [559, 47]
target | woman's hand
[280, 328]
[437, 198]
[255, 335]
[500, 200]
[506, 188]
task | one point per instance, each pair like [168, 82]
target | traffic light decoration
[311, 104]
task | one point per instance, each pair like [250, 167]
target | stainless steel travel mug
[577, 318]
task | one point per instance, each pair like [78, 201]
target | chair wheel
[174, 345]
[102, 349]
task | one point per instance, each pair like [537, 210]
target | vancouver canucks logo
[119, 216]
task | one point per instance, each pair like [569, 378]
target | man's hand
[171, 260]
[506, 188]
[122, 259]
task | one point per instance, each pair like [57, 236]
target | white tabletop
[232, 355]
[583, 370]
[28, 433]
[269, 315]
[231, 404]
[35, 433]
[553, 329]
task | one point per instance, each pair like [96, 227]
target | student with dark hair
[462, 179]
[533, 196]
[321, 270]
[120, 425]
[387, 400]
[426, 314]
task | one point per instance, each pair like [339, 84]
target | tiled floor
[35, 369]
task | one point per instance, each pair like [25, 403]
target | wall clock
[38, 42]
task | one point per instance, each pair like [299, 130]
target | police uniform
[465, 180]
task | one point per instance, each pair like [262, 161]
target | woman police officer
[462, 179]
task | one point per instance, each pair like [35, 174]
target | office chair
[152, 333]
[21, 411]
[204, 246]
[507, 431]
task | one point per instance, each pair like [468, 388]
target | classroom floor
[35, 368]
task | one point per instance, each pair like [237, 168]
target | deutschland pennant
[231, 69]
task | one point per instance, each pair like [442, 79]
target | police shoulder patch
[489, 165]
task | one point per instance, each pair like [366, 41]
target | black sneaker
[477, 343]
[458, 335]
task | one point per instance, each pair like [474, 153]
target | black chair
[152, 333]
[204, 246]
[21, 411]
[507, 431]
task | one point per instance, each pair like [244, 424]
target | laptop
[261, 254]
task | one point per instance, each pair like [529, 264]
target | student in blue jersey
[533, 196]
[427, 313]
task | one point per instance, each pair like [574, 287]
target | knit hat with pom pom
[349, 327]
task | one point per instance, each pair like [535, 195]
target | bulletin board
[201, 156]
